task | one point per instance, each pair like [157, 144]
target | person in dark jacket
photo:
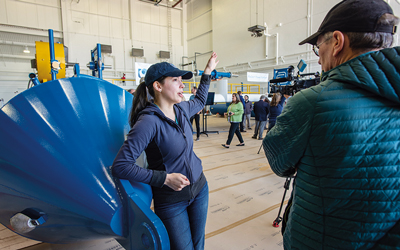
[275, 109]
[196, 117]
[241, 125]
[261, 110]
[341, 137]
[162, 129]
[248, 107]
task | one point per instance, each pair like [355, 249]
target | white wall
[80, 25]
[196, 26]
[239, 52]
[199, 33]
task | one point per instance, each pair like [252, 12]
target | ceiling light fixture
[26, 50]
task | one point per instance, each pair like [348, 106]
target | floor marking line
[227, 152]
[240, 222]
[236, 163]
[236, 184]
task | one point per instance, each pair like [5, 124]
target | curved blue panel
[219, 108]
[58, 140]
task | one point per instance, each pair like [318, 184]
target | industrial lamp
[26, 50]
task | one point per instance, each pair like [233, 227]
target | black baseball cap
[354, 16]
[158, 70]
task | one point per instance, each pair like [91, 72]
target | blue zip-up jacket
[168, 147]
[275, 111]
[242, 101]
[343, 137]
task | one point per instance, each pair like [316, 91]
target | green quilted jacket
[343, 137]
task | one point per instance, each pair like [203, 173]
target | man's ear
[338, 40]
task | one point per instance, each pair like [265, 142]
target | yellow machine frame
[43, 60]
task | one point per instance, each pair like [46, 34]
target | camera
[297, 83]
[230, 113]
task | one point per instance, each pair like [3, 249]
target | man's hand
[212, 63]
[176, 181]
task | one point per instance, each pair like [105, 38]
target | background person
[241, 99]
[342, 136]
[275, 109]
[248, 107]
[123, 79]
[261, 110]
[175, 173]
[235, 114]
[196, 117]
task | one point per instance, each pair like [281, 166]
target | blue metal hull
[58, 141]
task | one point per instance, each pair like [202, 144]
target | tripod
[279, 218]
[262, 143]
[205, 124]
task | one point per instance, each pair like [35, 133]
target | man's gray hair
[377, 40]
[262, 97]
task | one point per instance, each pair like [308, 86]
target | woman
[235, 113]
[162, 129]
[275, 109]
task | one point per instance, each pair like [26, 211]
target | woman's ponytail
[139, 103]
[141, 99]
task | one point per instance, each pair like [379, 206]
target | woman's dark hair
[237, 98]
[140, 101]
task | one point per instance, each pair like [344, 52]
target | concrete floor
[245, 196]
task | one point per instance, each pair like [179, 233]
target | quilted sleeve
[285, 144]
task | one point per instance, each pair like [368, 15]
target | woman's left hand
[212, 63]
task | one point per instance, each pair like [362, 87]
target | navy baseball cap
[354, 16]
[158, 70]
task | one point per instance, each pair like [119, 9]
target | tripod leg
[260, 148]
[279, 218]
[261, 144]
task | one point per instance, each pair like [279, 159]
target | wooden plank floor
[244, 198]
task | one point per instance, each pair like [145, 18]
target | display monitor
[210, 98]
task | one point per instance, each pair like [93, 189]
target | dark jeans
[197, 120]
[271, 125]
[185, 221]
[234, 129]
[241, 124]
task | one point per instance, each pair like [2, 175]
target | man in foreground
[342, 137]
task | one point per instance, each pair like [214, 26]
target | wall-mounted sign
[141, 69]
[257, 77]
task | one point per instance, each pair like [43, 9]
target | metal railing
[113, 81]
[232, 88]
[247, 88]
